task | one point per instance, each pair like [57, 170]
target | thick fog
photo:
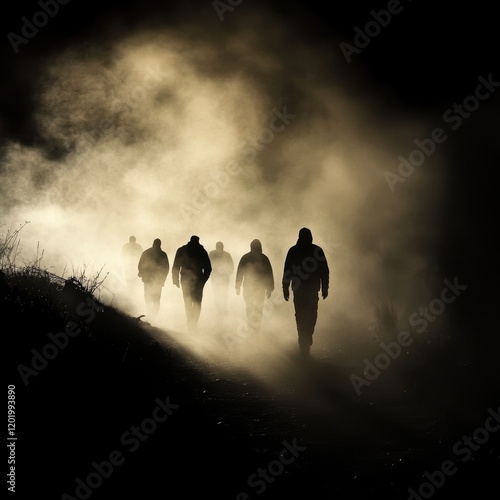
[231, 137]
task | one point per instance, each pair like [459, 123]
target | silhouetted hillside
[94, 387]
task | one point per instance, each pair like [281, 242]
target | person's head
[157, 243]
[194, 240]
[219, 246]
[256, 246]
[305, 236]
[132, 239]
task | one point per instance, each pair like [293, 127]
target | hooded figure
[130, 254]
[192, 265]
[306, 272]
[153, 268]
[255, 274]
[222, 268]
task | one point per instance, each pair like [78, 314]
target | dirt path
[272, 428]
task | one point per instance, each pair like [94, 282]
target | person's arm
[325, 275]
[285, 282]
[140, 266]
[239, 275]
[270, 278]
[167, 266]
[176, 267]
[207, 268]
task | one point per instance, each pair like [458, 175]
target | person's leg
[186, 293]
[250, 311]
[311, 313]
[254, 302]
[155, 300]
[218, 296]
[224, 288]
[197, 296]
[259, 310]
[306, 312]
[147, 297]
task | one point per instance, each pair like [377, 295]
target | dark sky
[429, 57]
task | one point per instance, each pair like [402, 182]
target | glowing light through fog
[148, 124]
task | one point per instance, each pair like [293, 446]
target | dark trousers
[306, 314]
[220, 288]
[254, 309]
[254, 305]
[152, 295]
[192, 291]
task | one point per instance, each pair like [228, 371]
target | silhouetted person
[222, 268]
[193, 265]
[306, 272]
[130, 255]
[255, 274]
[153, 268]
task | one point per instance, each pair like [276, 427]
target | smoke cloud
[232, 136]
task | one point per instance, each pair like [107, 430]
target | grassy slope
[109, 376]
